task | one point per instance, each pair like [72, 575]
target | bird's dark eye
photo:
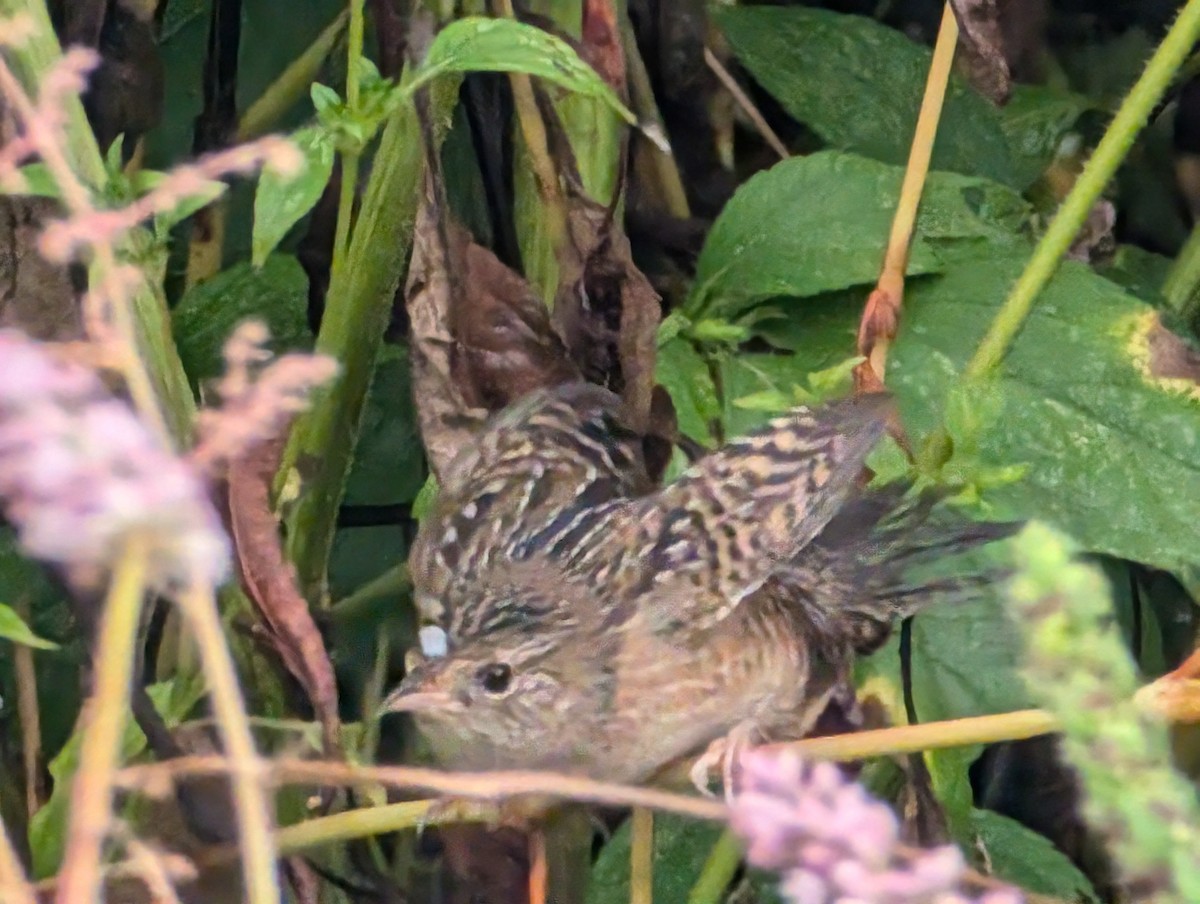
[496, 677]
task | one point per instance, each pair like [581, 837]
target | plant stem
[350, 156]
[33, 59]
[662, 162]
[357, 304]
[882, 313]
[29, 715]
[394, 582]
[1181, 288]
[550, 226]
[1013, 726]
[252, 806]
[718, 871]
[100, 748]
[1096, 174]
[293, 83]
[641, 856]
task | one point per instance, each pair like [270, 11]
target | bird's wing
[533, 482]
[744, 513]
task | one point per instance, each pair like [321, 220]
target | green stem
[1181, 288]
[357, 305]
[252, 804]
[153, 371]
[291, 85]
[350, 156]
[32, 60]
[718, 870]
[1096, 174]
[345, 212]
[394, 582]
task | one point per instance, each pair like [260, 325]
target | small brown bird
[585, 621]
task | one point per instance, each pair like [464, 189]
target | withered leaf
[602, 42]
[269, 579]
[1170, 357]
[481, 338]
[981, 41]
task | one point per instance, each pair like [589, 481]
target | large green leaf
[1025, 858]
[820, 223]
[1111, 452]
[48, 826]
[276, 293]
[480, 44]
[1035, 121]
[680, 849]
[858, 84]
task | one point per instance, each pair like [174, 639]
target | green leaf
[324, 98]
[281, 201]
[965, 658]
[276, 293]
[479, 44]
[144, 181]
[38, 181]
[1109, 447]
[1025, 858]
[820, 223]
[680, 848]
[13, 627]
[1035, 121]
[684, 373]
[48, 826]
[388, 458]
[858, 85]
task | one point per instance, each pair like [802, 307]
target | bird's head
[508, 700]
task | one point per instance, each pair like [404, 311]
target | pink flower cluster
[833, 842]
[79, 472]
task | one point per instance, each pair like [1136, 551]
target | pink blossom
[834, 843]
[79, 473]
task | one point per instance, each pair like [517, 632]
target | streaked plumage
[600, 625]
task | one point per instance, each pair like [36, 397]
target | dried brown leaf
[1170, 357]
[481, 338]
[602, 42]
[981, 42]
[269, 579]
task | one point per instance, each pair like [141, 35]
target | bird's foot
[723, 753]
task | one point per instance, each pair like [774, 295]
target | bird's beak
[405, 700]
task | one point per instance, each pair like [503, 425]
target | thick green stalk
[158, 370]
[32, 60]
[357, 305]
[1103, 164]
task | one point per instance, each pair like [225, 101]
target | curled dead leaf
[270, 581]
[480, 337]
[981, 42]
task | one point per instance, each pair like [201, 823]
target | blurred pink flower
[833, 842]
[79, 472]
[256, 399]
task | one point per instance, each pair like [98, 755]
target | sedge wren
[581, 619]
